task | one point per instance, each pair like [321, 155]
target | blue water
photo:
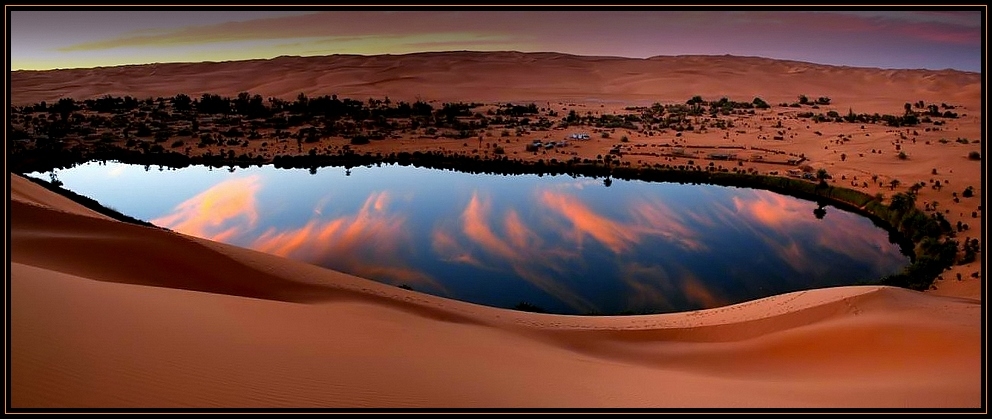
[567, 245]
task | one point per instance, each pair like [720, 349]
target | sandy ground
[108, 314]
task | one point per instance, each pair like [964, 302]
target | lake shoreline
[823, 193]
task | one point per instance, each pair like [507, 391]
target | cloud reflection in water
[589, 251]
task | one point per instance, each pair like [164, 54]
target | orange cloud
[286, 243]
[851, 239]
[476, 228]
[209, 213]
[522, 250]
[786, 215]
[520, 236]
[450, 250]
[614, 235]
[772, 209]
[649, 218]
[656, 218]
[369, 243]
[331, 27]
[781, 214]
[653, 287]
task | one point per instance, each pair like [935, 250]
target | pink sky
[47, 38]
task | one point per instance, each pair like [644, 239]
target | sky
[48, 38]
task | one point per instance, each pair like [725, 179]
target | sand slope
[109, 314]
[509, 76]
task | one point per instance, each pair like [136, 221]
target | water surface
[563, 244]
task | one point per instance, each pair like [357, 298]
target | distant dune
[506, 76]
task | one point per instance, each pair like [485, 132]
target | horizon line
[486, 52]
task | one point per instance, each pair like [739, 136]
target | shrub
[902, 155]
[162, 136]
[359, 140]
[974, 155]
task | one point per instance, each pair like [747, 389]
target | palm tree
[821, 174]
[901, 202]
[820, 212]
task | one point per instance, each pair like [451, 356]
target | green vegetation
[933, 251]
[44, 137]
[971, 248]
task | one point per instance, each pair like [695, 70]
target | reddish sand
[510, 76]
[107, 314]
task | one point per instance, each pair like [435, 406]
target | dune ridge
[506, 76]
[110, 314]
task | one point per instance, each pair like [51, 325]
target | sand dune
[109, 314]
[508, 76]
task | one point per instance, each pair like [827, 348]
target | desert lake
[560, 244]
